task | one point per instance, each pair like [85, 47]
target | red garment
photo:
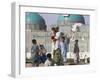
[53, 34]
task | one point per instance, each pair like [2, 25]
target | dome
[76, 18]
[72, 18]
[32, 18]
[61, 18]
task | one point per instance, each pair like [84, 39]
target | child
[35, 53]
[63, 47]
[53, 34]
[76, 52]
[49, 61]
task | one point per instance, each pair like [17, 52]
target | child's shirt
[49, 62]
[63, 47]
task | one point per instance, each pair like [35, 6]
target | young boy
[35, 53]
[76, 52]
[63, 47]
[49, 61]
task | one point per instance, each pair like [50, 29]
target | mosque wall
[43, 37]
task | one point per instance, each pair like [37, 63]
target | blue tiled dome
[61, 18]
[76, 18]
[72, 18]
[32, 18]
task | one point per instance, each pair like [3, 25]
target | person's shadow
[10, 75]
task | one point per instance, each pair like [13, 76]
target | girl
[76, 52]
